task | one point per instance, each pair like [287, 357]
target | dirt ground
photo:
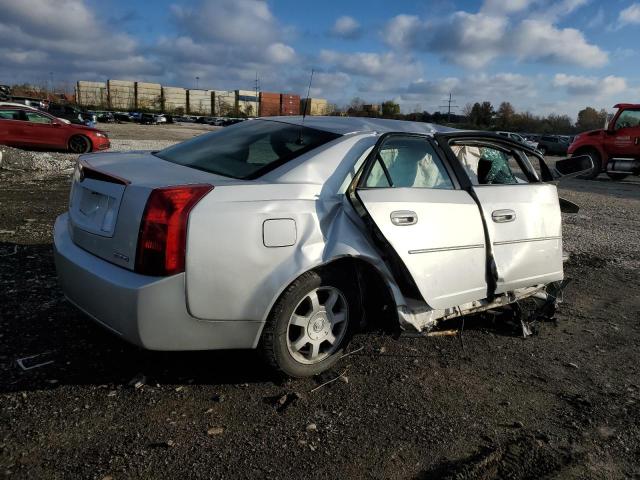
[563, 404]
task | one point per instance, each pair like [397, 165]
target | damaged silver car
[279, 233]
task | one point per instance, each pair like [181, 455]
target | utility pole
[449, 106]
[257, 87]
[197, 80]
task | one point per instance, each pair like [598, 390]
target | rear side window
[10, 115]
[486, 165]
[247, 150]
[408, 162]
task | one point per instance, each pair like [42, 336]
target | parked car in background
[518, 138]
[72, 113]
[616, 148]
[105, 117]
[552, 145]
[27, 127]
[276, 234]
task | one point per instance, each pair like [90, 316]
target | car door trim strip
[525, 240]
[445, 249]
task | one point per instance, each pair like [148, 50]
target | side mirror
[573, 166]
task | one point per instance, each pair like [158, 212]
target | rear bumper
[147, 311]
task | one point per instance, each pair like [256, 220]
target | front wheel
[310, 324]
[597, 162]
[79, 144]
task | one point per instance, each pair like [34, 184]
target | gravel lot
[562, 404]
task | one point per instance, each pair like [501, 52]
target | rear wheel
[617, 176]
[310, 324]
[597, 162]
[79, 144]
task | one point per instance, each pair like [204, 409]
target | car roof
[345, 125]
[627, 105]
[17, 105]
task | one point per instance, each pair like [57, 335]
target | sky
[543, 56]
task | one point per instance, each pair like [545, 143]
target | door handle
[503, 216]
[404, 217]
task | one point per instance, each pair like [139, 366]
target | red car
[27, 127]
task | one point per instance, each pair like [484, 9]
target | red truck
[615, 149]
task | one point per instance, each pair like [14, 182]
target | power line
[449, 106]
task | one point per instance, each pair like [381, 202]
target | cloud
[482, 86]
[630, 15]
[474, 40]
[68, 39]
[346, 27]
[590, 86]
[506, 6]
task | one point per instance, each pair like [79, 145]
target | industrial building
[174, 100]
[314, 106]
[92, 93]
[247, 103]
[148, 96]
[121, 94]
[126, 95]
[199, 102]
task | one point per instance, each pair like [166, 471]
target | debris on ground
[35, 361]
[15, 159]
[213, 431]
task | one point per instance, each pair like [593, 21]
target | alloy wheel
[317, 325]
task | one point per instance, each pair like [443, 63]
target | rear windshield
[247, 150]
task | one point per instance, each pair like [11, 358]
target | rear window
[248, 150]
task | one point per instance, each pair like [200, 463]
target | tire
[79, 144]
[597, 162]
[616, 177]
[296, 339]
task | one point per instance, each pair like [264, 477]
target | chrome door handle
[404, 217]
[503, 216]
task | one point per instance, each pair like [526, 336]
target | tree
[390, 109]
[481, 114]
[590, 119]
[505, 115]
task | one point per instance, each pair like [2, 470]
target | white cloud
[346, 27]
[474, 40]
[630, 15]
[590, 86]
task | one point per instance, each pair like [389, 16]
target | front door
[624, 139]
[522, 214]
[42, 131]
[429, 229]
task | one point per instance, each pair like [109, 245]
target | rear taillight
[163, 229]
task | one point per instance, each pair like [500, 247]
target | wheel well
[378, 306]
[585, 149]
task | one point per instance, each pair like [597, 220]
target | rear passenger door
[522, 213]
[428, 229]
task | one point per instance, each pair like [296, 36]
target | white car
[519, 138]
[278, 233]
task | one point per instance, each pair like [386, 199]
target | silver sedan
[280, 233]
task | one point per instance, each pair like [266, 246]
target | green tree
[482, 114]
[390, 109]
[505, 115]
[590, 119]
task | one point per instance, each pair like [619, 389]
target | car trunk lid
[108, 197]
